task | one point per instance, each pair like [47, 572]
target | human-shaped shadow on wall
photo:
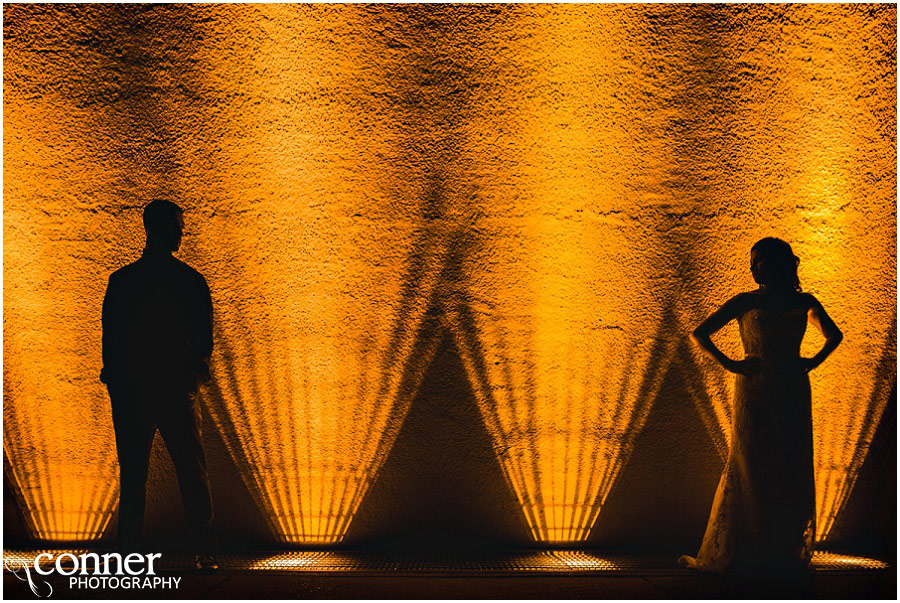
[157, 339]
[762, 524]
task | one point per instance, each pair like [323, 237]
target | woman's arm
[718, 319]
[833, 336]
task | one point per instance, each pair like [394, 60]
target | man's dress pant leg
[177, 416]
[134, 428]
[179, 425]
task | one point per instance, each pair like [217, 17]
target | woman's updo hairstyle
[781, 263]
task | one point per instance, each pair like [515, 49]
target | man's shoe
[205, 563]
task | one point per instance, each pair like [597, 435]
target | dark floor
[534, 575]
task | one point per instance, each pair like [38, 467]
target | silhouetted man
[157, 339]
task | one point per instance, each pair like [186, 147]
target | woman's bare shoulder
[741, 302]
[744, 298]
[809, 300]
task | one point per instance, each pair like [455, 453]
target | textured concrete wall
[551, 188]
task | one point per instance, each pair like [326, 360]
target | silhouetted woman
[763, 514]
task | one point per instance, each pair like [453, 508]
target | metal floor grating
[525, 562]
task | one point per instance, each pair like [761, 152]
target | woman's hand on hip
[747, 367]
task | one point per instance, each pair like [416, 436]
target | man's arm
[112, 334]
[203, 333]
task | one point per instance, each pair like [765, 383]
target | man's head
[164, 224]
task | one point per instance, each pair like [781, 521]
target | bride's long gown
[764, 508]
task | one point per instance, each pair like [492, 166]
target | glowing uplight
[286, 561]
[823, 560]
[604, 170]
[562, 421]
[813, 162]
[56, 417]
[557, 318]
[305, 210]
[71, 509]
[314, 371]
[369, 562]
[587, 561]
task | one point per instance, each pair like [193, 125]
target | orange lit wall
[562, 192]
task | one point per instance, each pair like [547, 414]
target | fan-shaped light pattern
[323, 305]
[563, 416]
[800, 127]
[560, 323]
[310, 209]
[618, 161]
[57, 432]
